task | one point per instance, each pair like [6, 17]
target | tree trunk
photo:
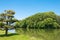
[6, 31]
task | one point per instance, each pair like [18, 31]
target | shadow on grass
[12, 34]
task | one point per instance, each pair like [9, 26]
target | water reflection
[45, 34]
[12, 31]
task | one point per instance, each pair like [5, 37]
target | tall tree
[7, 18]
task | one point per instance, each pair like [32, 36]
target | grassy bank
[16, 37]
[32, 34]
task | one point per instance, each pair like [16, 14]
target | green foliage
[41, 20]
[48, 23]
[6, 19]
[1, 25]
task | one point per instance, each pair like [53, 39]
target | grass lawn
[42, 35]
[16, 37]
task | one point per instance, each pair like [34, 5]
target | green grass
[32, 35]
[16, 36]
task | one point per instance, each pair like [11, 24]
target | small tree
[6, 19]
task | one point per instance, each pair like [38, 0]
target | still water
[41, 34]
[12, 31]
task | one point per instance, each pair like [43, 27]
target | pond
[12, 31]
[41, 34]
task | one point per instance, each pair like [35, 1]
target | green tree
[7, 18]
[48, 23]
[41, 20]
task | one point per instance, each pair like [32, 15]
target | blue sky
[25, 8]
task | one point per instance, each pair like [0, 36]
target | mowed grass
[16, 36]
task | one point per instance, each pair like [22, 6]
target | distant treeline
[44, 20]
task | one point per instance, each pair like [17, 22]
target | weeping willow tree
[47, 20]
[6, 20]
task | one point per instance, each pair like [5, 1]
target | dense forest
[44, 20]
